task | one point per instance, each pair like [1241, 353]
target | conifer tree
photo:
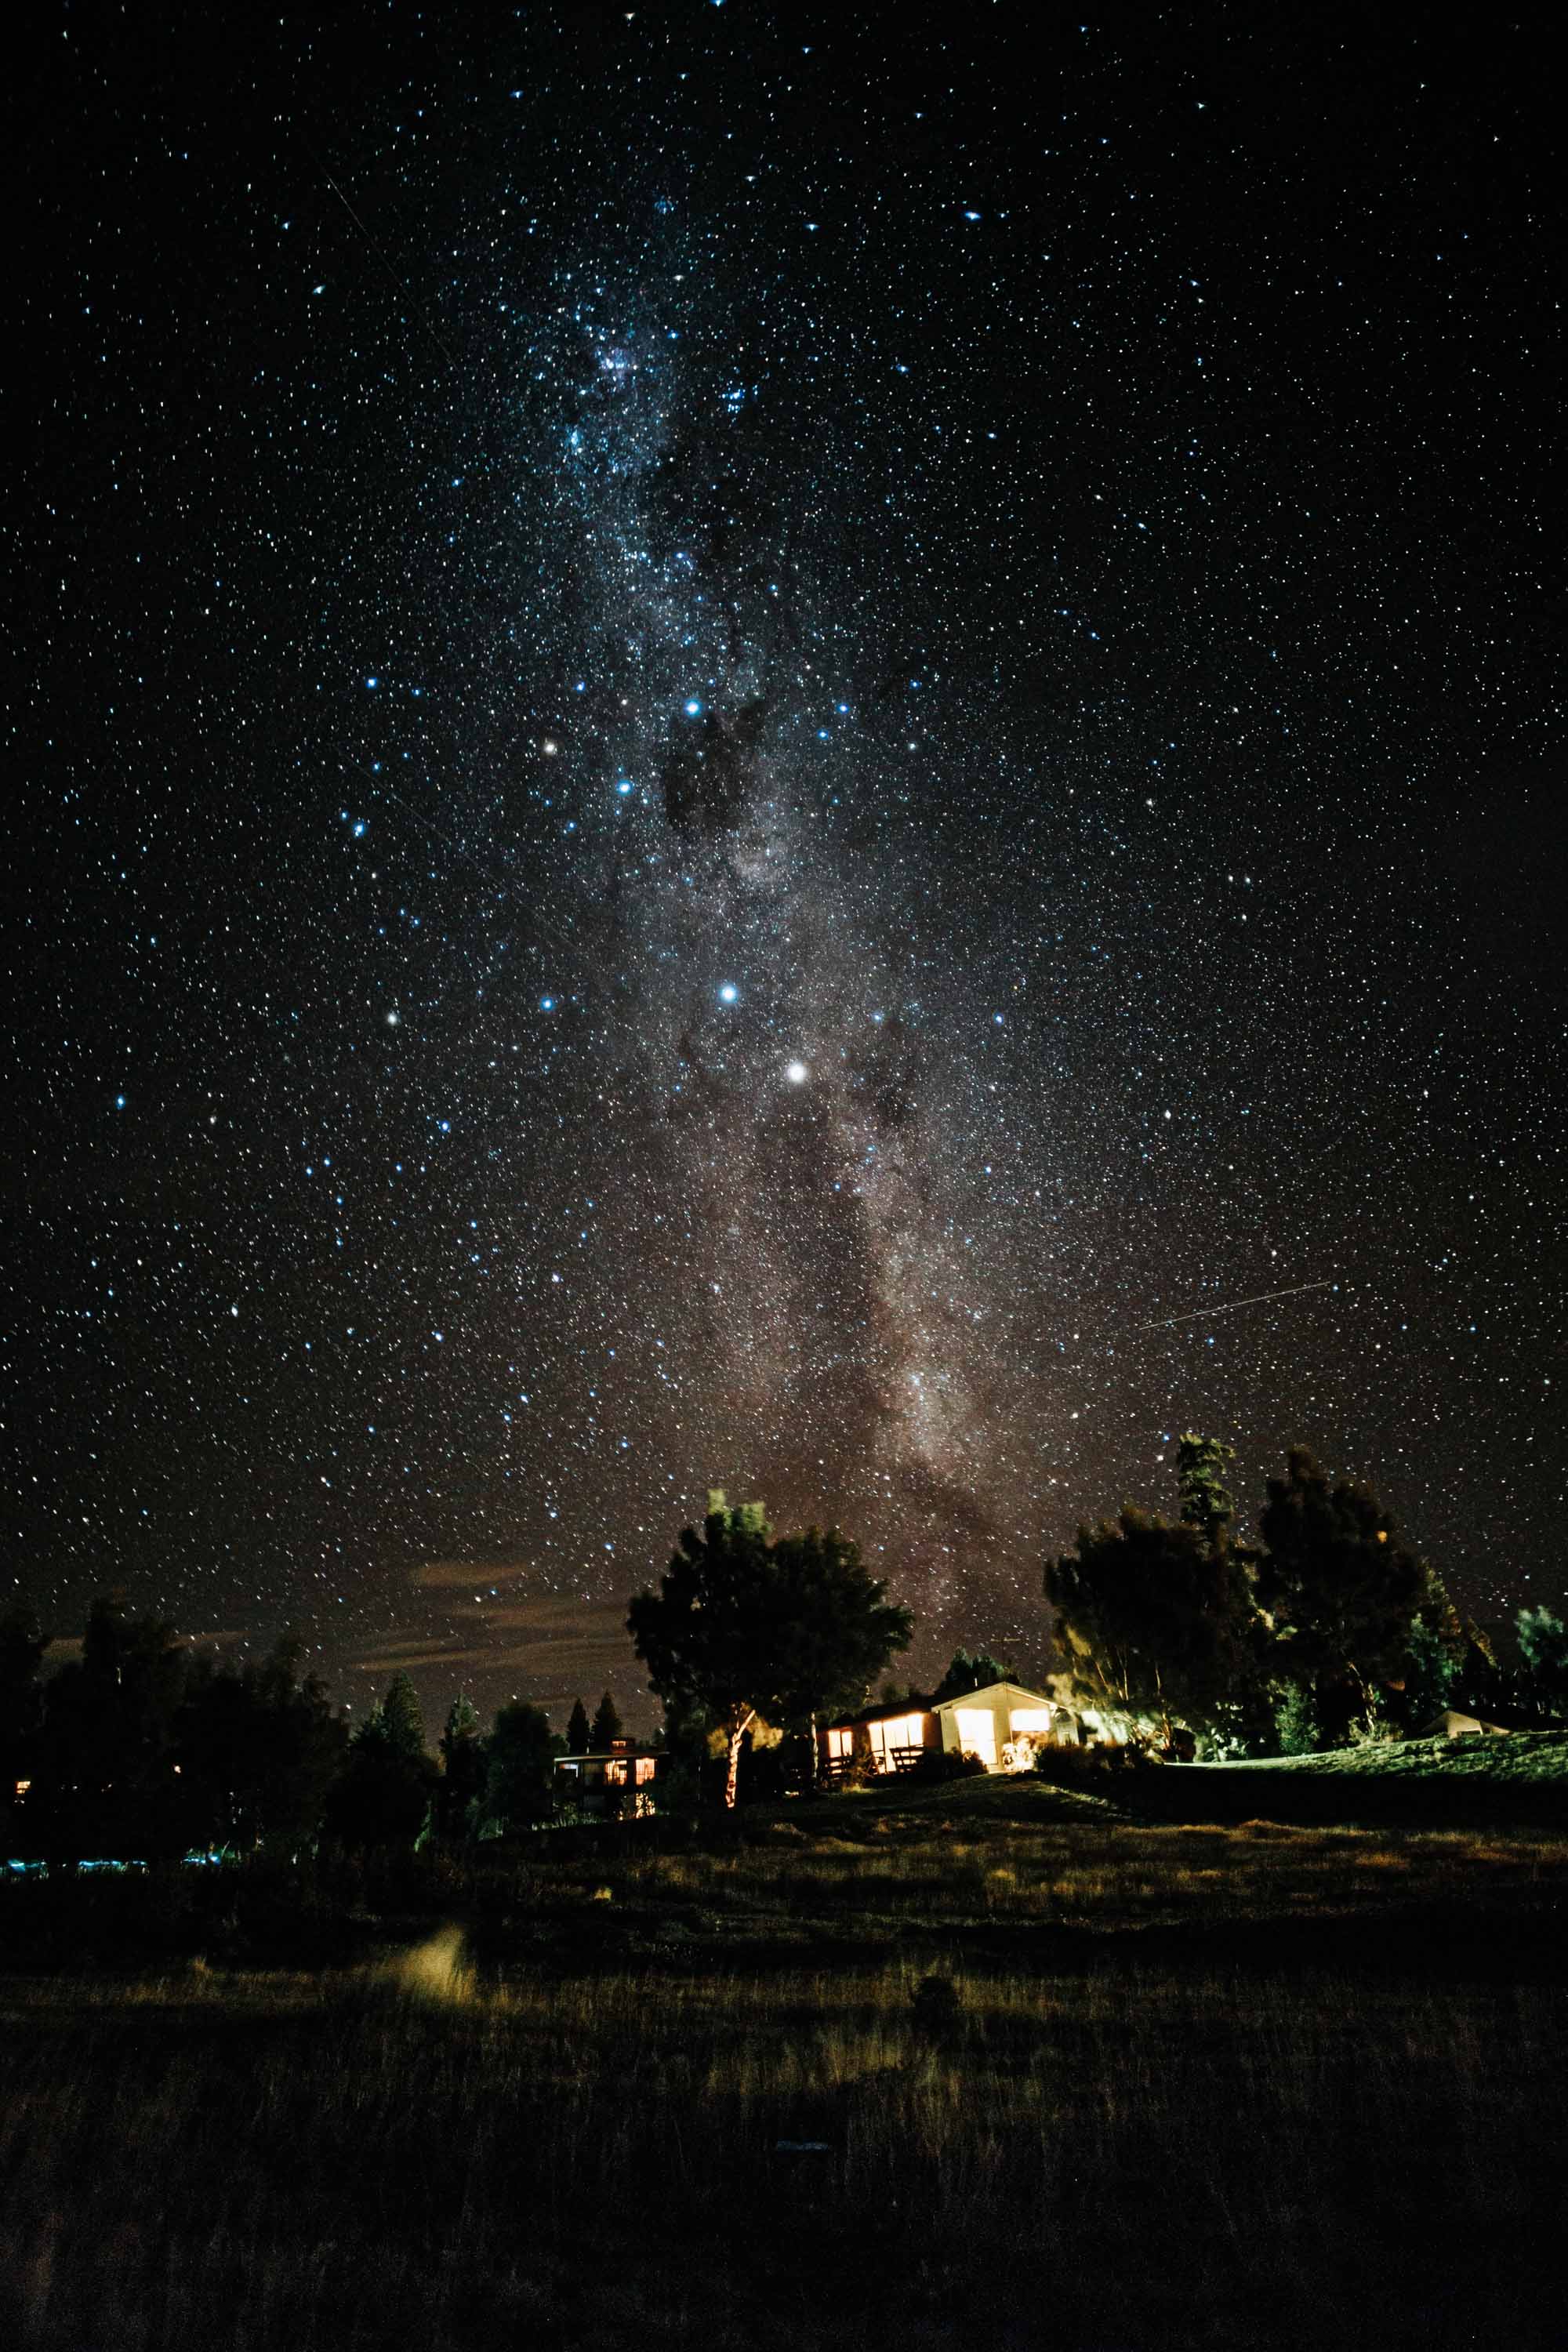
[462, 1768]
[403, 1718]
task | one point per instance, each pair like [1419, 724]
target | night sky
[754, 746]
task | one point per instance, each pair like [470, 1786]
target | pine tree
[402, 1717]
[606, 1727]
[462, 1768]
[579, 1732]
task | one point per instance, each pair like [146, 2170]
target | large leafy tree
[258, 1748]
[1543, 1645]
[107, 1753]
[1153, 1620]
[742, 1627]
[837, 1630]
[1202, 1466]
[22, 1646]
[1342, 1591]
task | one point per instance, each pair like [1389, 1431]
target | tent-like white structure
[1451, 1725]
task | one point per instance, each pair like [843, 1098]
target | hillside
[1515, 1781]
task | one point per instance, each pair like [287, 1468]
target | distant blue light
[729, 993]
[547, 1004]
[372, 681]
[625, 786]
[694, 708]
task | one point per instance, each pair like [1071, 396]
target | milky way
[760, 752]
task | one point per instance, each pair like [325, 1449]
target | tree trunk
[741, 1721]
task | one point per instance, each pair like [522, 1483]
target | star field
[755, 747]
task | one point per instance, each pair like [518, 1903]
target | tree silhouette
[969, 1674]
[22, 1647]
[1206, 1502]
[384, 1793]
[1152, 1619]
[520, 1760]
[742, 1627]
[1543, 1645]
[1341, 1589]
[606, 1727]
[462, 1768]
[579, 1731]
[258, 1749]
[403, 1716]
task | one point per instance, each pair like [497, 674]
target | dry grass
[1118, 2133]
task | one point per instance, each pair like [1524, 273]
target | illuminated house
[617, 1784]
[1003, 1723]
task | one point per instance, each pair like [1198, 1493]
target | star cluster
[759, 747]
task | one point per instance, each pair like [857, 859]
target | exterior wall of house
[880, 1743]
[987, 1723]
[993, 1723]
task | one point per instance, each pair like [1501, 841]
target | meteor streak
[1199, 1314]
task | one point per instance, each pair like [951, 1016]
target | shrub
[937, 2010]
[1071, 1768]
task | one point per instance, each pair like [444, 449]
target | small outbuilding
[1451, 1725]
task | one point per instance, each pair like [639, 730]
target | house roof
[619, 1755]
[879, 1713]
[1012, 1691]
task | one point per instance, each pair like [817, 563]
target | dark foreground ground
[1251, 2084]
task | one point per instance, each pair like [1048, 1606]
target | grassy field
[1231, 2085]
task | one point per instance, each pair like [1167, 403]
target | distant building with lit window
[617, 1783]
